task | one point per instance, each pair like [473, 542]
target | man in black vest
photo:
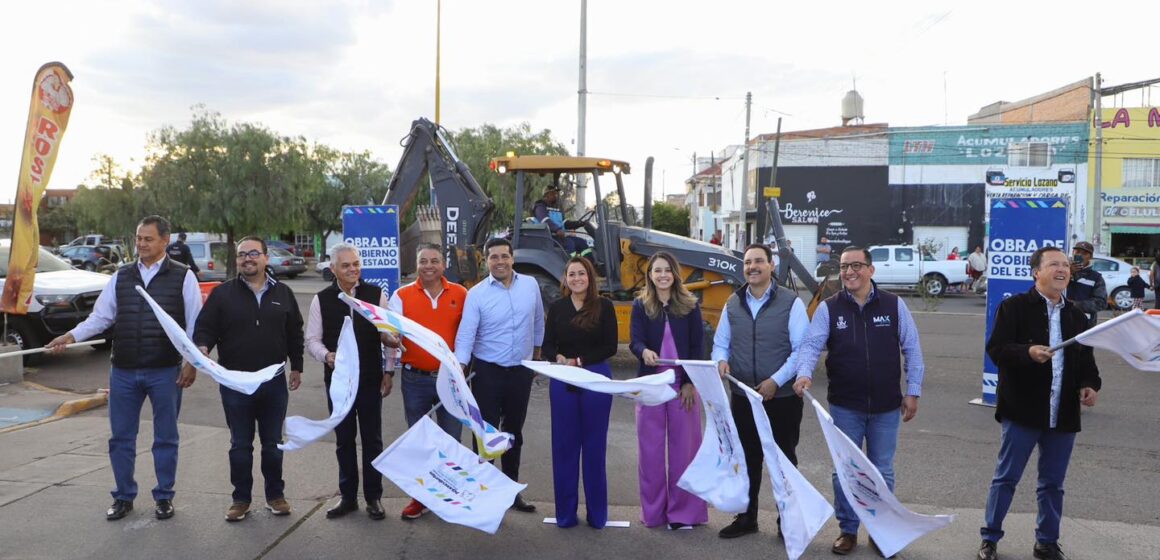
[1039, 398]
[863, 328]
[761, 328]
[254, 322]
[322, 330]
[145, 363]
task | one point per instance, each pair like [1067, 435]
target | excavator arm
[463, 209]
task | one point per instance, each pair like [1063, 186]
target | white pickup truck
[902, 266]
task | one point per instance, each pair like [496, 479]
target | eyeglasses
[243, 255]
[856, 266]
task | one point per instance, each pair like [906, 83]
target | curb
[66, 409]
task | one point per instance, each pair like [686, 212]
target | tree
[671, 218]
[476, 146]
[344, 178]
[109, 202]
[237, 179]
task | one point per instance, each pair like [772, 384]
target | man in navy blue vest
[145, 363]
[863, 328]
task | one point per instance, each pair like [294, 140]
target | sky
[667, 79]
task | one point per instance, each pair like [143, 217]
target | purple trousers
[661, 501]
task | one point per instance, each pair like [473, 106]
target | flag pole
[1103, 326]
[43, 349]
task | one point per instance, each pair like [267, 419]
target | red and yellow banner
[52, 101]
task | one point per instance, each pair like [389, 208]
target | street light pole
[438, 46]
[745, 173]
[582, 109]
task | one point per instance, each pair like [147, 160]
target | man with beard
[254, 322]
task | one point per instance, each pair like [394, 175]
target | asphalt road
[945, 456]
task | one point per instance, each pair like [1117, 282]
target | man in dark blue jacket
[863, 328]
[254, 322]
[1087, 289]
[1039, 398]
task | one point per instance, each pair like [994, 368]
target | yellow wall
[1127, 133]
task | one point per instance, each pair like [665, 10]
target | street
[55, 477]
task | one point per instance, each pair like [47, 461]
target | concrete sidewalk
[55, 479]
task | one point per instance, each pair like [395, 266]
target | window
[197, 250]
[879, 255]
[1029, 154]
[1140, 172]
[1101, 265]
[904, 255]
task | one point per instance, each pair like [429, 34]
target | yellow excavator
[460, 221]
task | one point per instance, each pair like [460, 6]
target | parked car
[98, 258]
[91, 240]
[1116, 273]
[279, 244]
[285, 264]
[901, 266]
[211, 256]
[323, 268]
[62, 297]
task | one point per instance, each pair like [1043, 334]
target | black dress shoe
[164, 509]
[988, 551]
[1048, 551]
[375, 510]
[342, 508]
[119, 509]
[521, 505]
[742, 525]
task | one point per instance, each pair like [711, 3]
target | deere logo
[881, 320]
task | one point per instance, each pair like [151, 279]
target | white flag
[803, 509]
[454, 393]
[302, 431]
[717, 473]
[649, 390]
[1134, 336]
[242, 381]
[432, 467]
[886, 519]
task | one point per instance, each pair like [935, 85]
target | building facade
[1128, 196]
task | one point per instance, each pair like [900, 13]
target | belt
[420, 371]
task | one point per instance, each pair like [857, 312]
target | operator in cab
[546, 211]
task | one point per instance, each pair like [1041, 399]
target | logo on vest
[881, 320]
[841, 322]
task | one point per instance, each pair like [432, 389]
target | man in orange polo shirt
[437, 304]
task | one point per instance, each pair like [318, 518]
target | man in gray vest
[145, 363]
[756, 342]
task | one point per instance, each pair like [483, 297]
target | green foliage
[671, 218]
[238, 179]
[342, 179]
[110, 203]
[476, 146]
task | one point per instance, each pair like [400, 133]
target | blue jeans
[266, 408]
[127, 391]
[419, 395]
[880, 434]
[1014, 452]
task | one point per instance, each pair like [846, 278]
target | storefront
[1129, 197]
[943, 179]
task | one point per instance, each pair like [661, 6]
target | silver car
[285, 263]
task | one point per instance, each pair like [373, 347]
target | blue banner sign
[375, 231]
[1019, 226]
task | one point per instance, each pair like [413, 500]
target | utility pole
[1099, 215]
[582, 91]
[745, 169]
[763, 217]
[438, 47]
